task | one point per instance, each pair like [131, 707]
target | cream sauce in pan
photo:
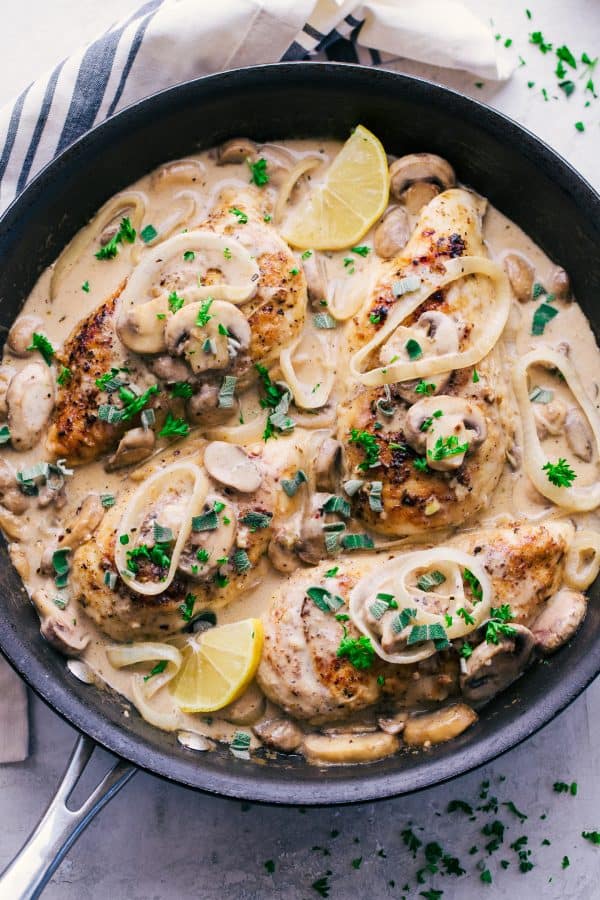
[173, 203]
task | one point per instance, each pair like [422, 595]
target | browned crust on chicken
[92, 348]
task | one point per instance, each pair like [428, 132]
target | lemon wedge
[353, 195]
[218, 665]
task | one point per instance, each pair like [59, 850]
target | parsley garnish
[424, 387]
[181, 389]
[187, 608]
[85, 287]
[368, 443]
[174, 427]
[497, 624]
[158, 668]
[560, 474]
[64, 375]
[361, 251]
[358, 651]
[189, 256]
[241, 216]
[175, 302]
[126, 232]
[41, 343]
[446, 447]
[473, 583]
[258, 172]
[203, 317]
[592, 836]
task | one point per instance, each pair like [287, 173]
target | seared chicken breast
[302, 672]
[390, 432]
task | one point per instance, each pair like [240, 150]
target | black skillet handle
[30, 871]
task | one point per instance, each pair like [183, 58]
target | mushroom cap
[459, 417]
[420, 167]
[560, 618]
[229, 464]
[226, 327]
[392, 233]
[21, 334]
[29, 400]
[236, 150]
[492, 667]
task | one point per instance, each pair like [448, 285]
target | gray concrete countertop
[156, 841]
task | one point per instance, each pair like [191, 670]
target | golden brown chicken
[436, 444]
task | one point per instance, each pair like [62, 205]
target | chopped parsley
[175, 302]
[181, 389]
[126, 233]
[425, 387]
[189, 256]
[358, 651]
[41, 343]
[158, 668]
[203, 317]
[240, 216]
[174, 427]
[560, 473]
[413, 348]
[368, 443]
[187, 608]
[64, 375]
[497, 625]
[445, 447]
[362, 250]
[85, 287]
[148, 233]
[258, 172]
[592, 836]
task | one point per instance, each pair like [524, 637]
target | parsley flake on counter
[560, 473]
[269, 866]
[592, 836]
[322, 886]
[41, 343]
[126, 233]
[579, 126]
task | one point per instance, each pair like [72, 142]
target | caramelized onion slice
[302, 166]
[316, 354]
[132, 202]
[121, 655]
[486, 333]
[393, 578]
[184, 476]
[579, 499]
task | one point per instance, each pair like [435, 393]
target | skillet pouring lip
[553, 203]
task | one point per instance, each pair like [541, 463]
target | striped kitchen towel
[169, 41]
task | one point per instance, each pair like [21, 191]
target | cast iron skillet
[523, 177]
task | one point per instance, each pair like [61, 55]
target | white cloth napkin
[168, 41]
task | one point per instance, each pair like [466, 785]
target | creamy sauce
[167, 203]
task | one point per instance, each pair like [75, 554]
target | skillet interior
[521, 176]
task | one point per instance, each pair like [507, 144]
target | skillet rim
[362, 784]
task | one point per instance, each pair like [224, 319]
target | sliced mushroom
[168, 369]
[435, 332]
[280, 734]
[6, 376]
[327, 465]
[210, 346]
[392, 233]
[492, 667]
[439, 726]
[58, 627]
[136, 445]
[315, 272]
[82, 524]
[579, 435]
[521, 276]
[142, 327]
[247, 709]
[217, 542]
[560, 618]
[179, 171]
[10, 496]
[418, 195]
[393, 724]
[281, 551]
[230, 465]
[550, 418]
[349, 748]
[21, 334]
[236, 150]
[310, 545]
[420, 167]
[406, 389]
[559, 283]
[459, 418]
[30, 400]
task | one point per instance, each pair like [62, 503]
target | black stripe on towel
[133, 52]
[11, 134]
[39, 127]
